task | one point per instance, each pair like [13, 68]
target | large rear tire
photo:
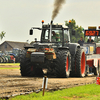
[80, 63]
[25, 65]
[28, 69]
[63, 64]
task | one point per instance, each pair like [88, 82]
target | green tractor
[56, 55]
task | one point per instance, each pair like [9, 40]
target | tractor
[15, 54]
[56, 55]
[92, 51]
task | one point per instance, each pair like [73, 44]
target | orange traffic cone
[98, 79]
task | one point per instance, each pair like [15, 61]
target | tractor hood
[41, 45]
[47, 45]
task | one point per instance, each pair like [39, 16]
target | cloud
[84, 12]
[18, 16]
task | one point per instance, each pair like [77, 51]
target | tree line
[79, 31]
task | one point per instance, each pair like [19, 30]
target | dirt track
[12, 83]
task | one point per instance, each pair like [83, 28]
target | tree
[2, 34]
[97, 39]
[78, 30]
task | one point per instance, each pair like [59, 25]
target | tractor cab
[53, 34]
[58, 34]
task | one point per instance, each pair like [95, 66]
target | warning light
[42, 21]
[69, 21]
[92, 28]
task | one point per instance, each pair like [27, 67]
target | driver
[56, 36]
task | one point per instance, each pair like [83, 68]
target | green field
[86, 92]
[11, 64]
[10, 68]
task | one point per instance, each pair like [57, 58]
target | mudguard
[73, 48]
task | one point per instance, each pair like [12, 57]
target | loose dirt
[12, 83]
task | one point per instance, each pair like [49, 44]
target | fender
[73, 48]
[63, 48]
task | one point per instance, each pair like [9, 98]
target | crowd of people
[56, 37]
[81, 41]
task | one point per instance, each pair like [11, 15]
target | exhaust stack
[51, 29]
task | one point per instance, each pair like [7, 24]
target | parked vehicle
[92, 51]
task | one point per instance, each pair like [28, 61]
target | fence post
[44, 84]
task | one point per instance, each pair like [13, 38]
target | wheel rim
[83, 63]
[67, 64]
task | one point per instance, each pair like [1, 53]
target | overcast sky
[18, 16]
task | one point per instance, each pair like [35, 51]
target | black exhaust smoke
[57, 6]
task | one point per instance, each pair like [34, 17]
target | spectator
[90, 40]
[81, 41]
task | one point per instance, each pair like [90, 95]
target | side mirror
[31, 32]
[73, 32]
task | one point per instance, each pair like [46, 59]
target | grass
[86, 92]
[11, 64]
[11, 68]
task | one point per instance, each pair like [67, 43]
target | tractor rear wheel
[25, 66]
[63, 64]
[28, 69]
[80, 63]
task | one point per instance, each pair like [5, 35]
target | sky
[18, 16]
